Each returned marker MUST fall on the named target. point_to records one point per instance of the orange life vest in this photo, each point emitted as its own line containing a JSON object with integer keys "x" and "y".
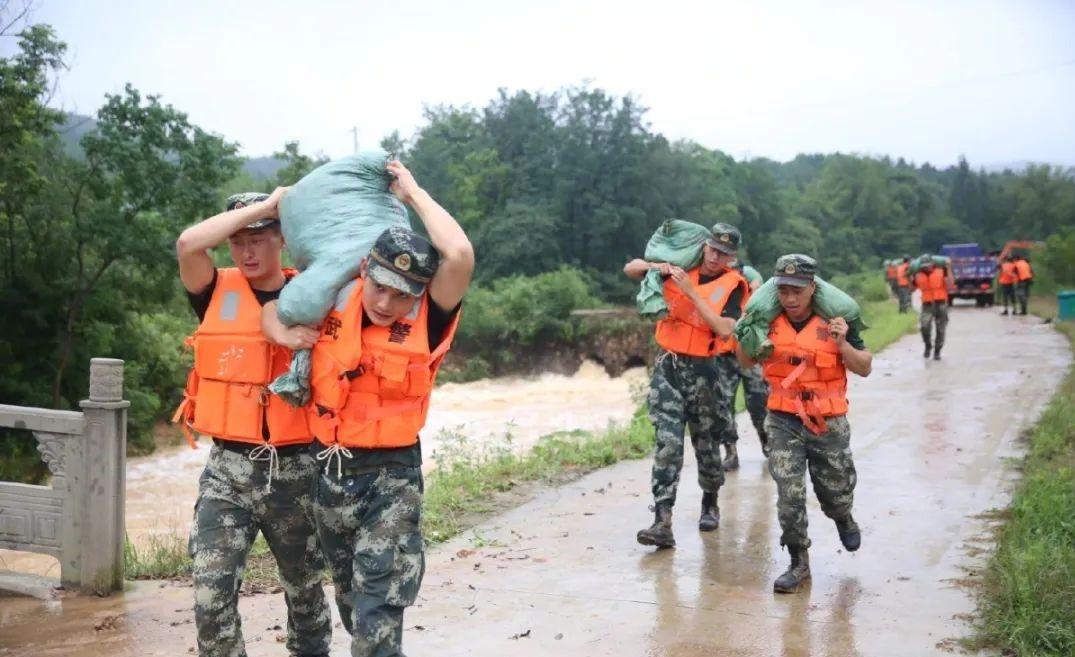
{"x": 371, "y": 385}
{"x": 934, "y": 286}
{"x": 890, "y": 273}
{"x": 901, "y": 275}
{"x": 1023, "y": 271}
{"x": 1007, "y": 274}
{"x": 805, "y": 372}
{"x": 684, "y": 331}
{"x": 227, "y": 394}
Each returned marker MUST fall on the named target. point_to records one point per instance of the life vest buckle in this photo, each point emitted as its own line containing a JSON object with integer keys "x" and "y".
{"x": 263, "y": 396}
{"x": 351, "y": 375}
{"x": 795, "y": 360}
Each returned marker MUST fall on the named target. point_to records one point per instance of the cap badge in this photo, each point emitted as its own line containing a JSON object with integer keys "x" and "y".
{"x": 790, "y": 269}
{"x": 725, "y": 237}
{"x": 403, "y": 262}
{"x": 238, "y": 204}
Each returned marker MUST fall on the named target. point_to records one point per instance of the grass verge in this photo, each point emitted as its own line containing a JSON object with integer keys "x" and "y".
{"x": 1027, "y": 603}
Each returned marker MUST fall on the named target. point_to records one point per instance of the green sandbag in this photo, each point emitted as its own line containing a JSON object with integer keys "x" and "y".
{"x": 676, "y": 242}
{"x": 752, "y": 330}
{"x": 752, "y": 274}
{"x": 330, "y": 219}
{"x": 938, "y": 260}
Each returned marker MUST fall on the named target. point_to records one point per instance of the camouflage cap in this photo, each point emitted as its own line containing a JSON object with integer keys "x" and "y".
{"x": 724, "y": 238}
{"x": 243, "y": 199}
{"x": 404, "y": 260}
{"x": 925, "y": 260}
{"x": 795, "y": 269}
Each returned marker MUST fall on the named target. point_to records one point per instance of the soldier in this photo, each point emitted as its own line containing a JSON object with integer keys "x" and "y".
{"x": 1006, "y": 279}
{"x": 903, "y": 284}
{"x": 690, "y": 381}
{"x": 807, "y": 427}
{"x": 260, "y": 470}
{"x": 372, "y": 372}
{"x": 933, "y": 282}
{"x": 890, "y": 276}
{"x": 755, "y": 389}
{"x": 1024, "y": 277}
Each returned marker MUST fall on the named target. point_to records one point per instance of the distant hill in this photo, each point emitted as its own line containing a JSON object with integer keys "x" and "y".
{"x": 75, "y": 126}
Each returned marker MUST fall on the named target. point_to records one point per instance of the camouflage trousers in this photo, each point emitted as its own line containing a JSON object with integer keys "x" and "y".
{"x": 934, "y": 313}
{"x": 685, "y": 393}
{"x": 234, "y": 504}
{"x": 1022, "y": 295}
{"x": 370, "y": 529}
{"x": 756, "y": 395}
{"x": 903, "y": 293}
{"x": 1007, "y": 296}
{"x": 794, "y": 449}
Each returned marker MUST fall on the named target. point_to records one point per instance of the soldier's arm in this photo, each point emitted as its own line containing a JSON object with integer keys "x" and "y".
{"x": 192, "y": 248}
{"x": 638, "y": 268}
{"x": 456, "y": 267}
{"x": 722, "y": 326}
{"x": 859, "y": 361}
{"x": 292, "y": 337}
{"x": 746, "y": 361}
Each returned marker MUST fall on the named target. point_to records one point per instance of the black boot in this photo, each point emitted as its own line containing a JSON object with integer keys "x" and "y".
{"x": 927, "y": 339}
{"x": 763, "y": 438}
{"x": 929, "y": 350}
{"x": 660, "y": 532}
{"x": 710, "y": 518}
{"x": 937, "y": 353}
{"x": 796, "y": 574}
{"x": 849, "y": 532}
{"x": 1005, "y": 312}
{"x": 731, "y": 457}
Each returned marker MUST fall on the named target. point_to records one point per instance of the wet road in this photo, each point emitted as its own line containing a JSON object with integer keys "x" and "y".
{"x": 562, "y": 574}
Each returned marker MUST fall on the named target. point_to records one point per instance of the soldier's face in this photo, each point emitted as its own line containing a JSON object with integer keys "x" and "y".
{"x": 256, "y": 253}
{"x": 714, "y": 261}
{"x": 385, "y": 305}
{"x": 796, "y": 300}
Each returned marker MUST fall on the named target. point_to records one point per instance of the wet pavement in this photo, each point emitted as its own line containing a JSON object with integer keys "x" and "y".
{"x": 563, "y": 575}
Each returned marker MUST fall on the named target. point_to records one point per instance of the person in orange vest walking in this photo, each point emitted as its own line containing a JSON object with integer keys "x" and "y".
{"x": 691, "y": 376}
{"x": 372, "y": 373}
{"x": 807, "y": 423}
{"x": 933, "y": 282}
{"x": 890, "y": 276}
{"x": 260, "y": 470}
{"x": 903, "y": 284}
{"x": 1024, "y": 277}
{"x": 1006, "y": 279}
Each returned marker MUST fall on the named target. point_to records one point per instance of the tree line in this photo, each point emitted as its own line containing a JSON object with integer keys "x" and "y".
{"x": 569, "y": 183}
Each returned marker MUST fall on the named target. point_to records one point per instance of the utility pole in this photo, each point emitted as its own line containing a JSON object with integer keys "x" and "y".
{"x": 354, "y": 135}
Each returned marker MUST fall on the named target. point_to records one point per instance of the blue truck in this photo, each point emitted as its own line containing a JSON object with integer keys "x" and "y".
{"x": 974, "y": 272}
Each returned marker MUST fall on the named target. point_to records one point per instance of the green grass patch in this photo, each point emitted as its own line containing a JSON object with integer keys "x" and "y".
{"x": 1027, "y": 602}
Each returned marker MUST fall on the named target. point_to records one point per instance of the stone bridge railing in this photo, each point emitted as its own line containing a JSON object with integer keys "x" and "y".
{"x": 79, "y": 519}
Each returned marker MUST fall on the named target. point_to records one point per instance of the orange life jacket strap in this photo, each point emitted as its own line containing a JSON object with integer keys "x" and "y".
{"x": 180, "y": 416}
{"x": 408, "y": 405}
{"x": 807, "y": 409}
{"x": 795, "y": 374}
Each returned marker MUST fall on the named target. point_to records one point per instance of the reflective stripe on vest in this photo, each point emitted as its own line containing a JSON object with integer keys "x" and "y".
{"x": 371, "y": 385}
{"x": 805, "y": 372}
{"x": 227, "y": 394}
{"x": 684, "y": 331}
{"x": 933, "y": 285}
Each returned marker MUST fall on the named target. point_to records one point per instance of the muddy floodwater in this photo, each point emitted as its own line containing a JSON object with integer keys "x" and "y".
{"x": 563, "y": 575}
{"x": 470, "y": 417}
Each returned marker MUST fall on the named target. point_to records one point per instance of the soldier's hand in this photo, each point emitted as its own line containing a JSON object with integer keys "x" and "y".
{"x": 838, "y": 329}
{"x": 299, "y": 337}
{"x": 271, "y": 205}
{"x": 682, "y": 280}
{"x": 664, "y": 268}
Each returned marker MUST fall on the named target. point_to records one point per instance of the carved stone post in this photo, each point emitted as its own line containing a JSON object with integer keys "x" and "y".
{"x": 104, "y": 473}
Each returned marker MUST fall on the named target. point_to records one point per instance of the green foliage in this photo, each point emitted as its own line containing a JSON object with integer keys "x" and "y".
{"x": 524, "y": 310}
{"x": 1028, "y": 602}
{"x": 1057, "y": 263}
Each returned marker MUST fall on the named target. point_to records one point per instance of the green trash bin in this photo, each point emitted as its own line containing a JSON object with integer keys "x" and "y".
{"x": 1066, "y": 301}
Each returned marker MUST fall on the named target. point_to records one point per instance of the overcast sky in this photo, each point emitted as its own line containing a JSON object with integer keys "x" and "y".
{"x": 924, "y": 80}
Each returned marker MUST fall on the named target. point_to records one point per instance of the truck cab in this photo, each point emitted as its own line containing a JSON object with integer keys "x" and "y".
{"x": 973, "y": 271}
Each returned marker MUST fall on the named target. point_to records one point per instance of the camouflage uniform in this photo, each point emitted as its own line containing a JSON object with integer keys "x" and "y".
{"x": 936, "y": 312}
{"x": 903, "y": 292}
{"x": 728, "y": 382}
{"x": 792, "y": 450}
{"x": 1022, "y": 296}
{"x": 235, "y": 501}
{"x": 756, "y": 395}
{"x": 685, "y": 391}
{"x": 369, "y": 523}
